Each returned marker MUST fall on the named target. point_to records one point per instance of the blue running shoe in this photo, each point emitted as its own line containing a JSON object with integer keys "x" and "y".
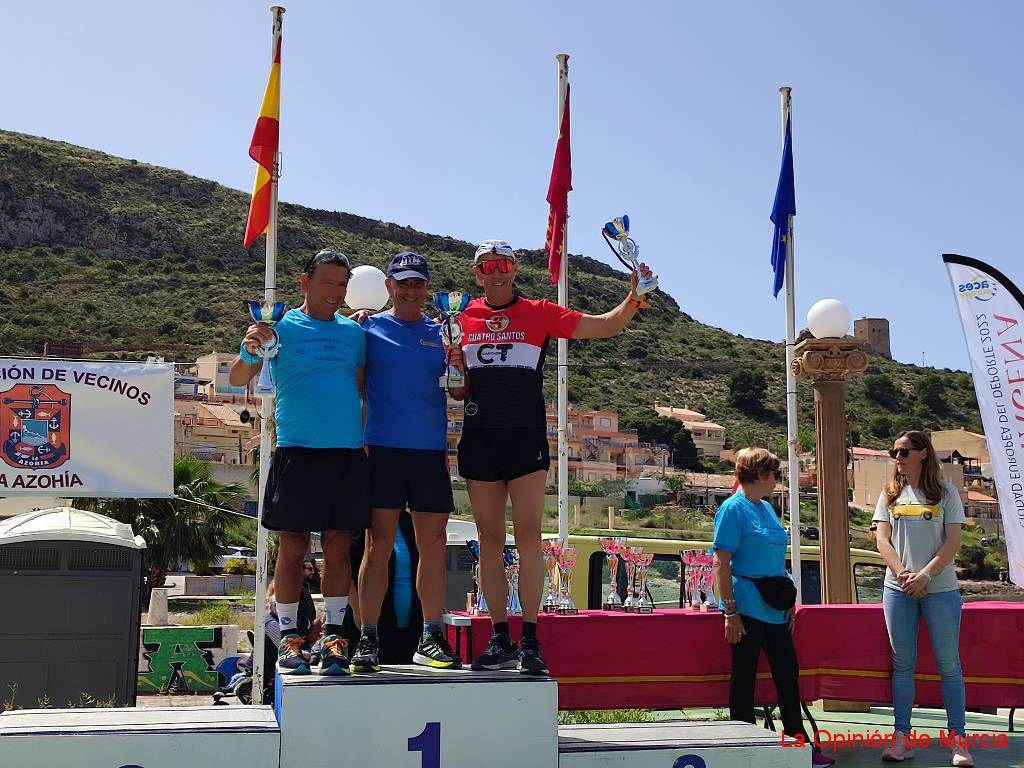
{"x": 290, "y": 660}
{"x": 334, "y": 656}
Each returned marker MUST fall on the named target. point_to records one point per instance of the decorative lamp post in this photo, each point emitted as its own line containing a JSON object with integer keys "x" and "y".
{"x": 827, "y": 359}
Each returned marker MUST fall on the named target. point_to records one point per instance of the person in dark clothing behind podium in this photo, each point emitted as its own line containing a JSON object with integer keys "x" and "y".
{"x": 401, "y": 616}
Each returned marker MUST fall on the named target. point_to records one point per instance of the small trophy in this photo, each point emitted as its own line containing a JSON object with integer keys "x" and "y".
{"x": 627, "y": 251}
{"x": 479, "y": 608}
{"x": 450, "y": 306}
{"x": 612, "y": 545}
{"x": 268, "y": 314}
{"x": 629, "y": 556}
{"x": 551, "y": 548}
{"x": 512, "y": 604}
{"x": 566, "y": 564}
{"x": 710, "y": 601}
{"x": 643, "y": 563}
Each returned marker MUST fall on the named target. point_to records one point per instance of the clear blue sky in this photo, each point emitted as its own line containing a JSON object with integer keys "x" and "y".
{"x": 441, "y": 115}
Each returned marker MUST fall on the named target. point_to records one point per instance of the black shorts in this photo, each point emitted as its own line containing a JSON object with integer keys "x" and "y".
{"x": 317, "y": 489}
{"x": 419, "y": 478}
{"x": 492, "y": 455}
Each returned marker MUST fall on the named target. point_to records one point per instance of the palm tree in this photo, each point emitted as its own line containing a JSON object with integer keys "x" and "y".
{"x": 177, "y": 529}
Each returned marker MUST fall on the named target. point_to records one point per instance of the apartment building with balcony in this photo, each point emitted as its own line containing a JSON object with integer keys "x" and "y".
{"x": 707, "y": 436}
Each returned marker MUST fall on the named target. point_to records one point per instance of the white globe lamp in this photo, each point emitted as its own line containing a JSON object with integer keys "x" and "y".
{"x": 828, "y": 319}
{"x": 366, "y": 289}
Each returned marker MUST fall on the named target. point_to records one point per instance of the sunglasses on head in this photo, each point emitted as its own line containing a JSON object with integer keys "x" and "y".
{"x": 329, "y": 259}
{"x": 901, "y": 452}
{"x": 490, "y": 266}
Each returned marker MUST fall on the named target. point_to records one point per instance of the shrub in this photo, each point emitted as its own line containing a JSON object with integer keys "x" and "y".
{"x": 239, "y": 565}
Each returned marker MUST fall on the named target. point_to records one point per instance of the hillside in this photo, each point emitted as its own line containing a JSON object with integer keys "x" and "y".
{"x": 131, "y": 259}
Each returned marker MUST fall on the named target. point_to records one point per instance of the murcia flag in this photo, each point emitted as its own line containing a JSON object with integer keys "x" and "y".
{"x": 558, "y": 195}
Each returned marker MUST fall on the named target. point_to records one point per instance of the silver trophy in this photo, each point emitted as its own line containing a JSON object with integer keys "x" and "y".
{"x": 268, "y": 314}
{"x": 643, "y": 563}
{"x": 627, "y": 251}
{"x": 512, "y": 604}
{"x": 612, "y": 545}
{"x": 450, "y": 306}
{"x": 479, "y": 607}
{"x": 566, "y": 564}
{"x": 551, "y": 548}
{"x": 710, "y": 601}
{"x": 629, "y": 556}
{"x": 692, "y": 576}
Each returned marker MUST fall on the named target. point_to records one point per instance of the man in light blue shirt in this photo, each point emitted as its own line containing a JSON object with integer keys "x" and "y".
{"x": 318, "y": 477}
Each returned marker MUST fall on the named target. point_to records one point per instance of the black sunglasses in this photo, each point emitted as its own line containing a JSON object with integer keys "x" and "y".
{"x": 902, "y": 452}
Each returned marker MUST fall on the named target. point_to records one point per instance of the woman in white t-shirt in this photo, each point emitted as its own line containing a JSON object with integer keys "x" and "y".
{"x": 919, "y": 518}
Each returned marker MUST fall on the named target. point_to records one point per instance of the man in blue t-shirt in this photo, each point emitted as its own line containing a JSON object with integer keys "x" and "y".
{"x": 318, "y": 477}
{"x": 407, "y": 444}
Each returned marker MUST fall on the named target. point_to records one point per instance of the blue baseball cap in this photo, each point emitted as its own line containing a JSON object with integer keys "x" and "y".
{"x": 408, "y": 265}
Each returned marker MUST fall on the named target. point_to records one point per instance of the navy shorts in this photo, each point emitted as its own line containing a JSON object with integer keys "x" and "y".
{"x": 493, "y": 455}
{"x": 317, "y": 489}
{"x": 419, "y": 478}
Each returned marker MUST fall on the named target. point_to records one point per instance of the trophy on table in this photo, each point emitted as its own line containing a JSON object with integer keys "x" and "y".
{"x": 643, "y": 563}
{"x": 479, "y": 607}
{"x": 450, "y": 305}
{"x": 551, "y": 548}
{"x": 629, "y": 556}
{"x": 512, "y": 604}
{"x": 627, "y": 251}
{"x": 710, "y": 601}
{"x": 268, "y": 314}
{"x": 566, "y": 564}
{"x": 612, "y": 545}
{"x": 691, "y": 574}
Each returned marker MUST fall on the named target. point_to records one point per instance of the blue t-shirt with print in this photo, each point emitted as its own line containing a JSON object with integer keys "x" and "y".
{"x": 755, "y": 537}
{"x": 405, "y": 405}
{"x": 318, "y": 403}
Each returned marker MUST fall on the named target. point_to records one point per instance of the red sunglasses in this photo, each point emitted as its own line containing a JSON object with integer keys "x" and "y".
{"x": 491, "y": 266}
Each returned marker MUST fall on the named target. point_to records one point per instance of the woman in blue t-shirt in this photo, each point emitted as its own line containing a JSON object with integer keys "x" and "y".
{"x": 756, "y": 594}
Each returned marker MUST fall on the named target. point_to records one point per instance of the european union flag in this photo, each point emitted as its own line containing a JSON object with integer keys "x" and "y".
{"x": 785, "y": 206}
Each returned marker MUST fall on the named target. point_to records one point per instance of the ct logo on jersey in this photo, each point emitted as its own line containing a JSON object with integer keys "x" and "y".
{"x": 35, "y": 426}
{"x": 497, "y": 323}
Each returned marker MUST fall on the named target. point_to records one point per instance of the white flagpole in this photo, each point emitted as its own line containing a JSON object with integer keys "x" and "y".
{"x": 563, "y": 344}
{"x": 793, "y": 439}
{"x": 266, "y": 414}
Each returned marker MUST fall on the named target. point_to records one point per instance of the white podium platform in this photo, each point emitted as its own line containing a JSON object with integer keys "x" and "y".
{"x": 676, "y": 744}
{"x": 415, "y": 717}
{"x": 168, "y": 737}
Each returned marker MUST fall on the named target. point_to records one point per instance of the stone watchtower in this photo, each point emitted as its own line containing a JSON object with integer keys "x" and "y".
{"x": 874, "y": 332}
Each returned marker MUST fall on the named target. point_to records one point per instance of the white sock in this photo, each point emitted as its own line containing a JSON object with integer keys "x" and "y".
{"x": 335, "y": 608}
{"x": 288, "y": 616}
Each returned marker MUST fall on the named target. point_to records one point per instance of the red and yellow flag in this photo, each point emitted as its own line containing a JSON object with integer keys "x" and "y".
{"x": 263, "y": 149}
{"x": 558, "y": 195}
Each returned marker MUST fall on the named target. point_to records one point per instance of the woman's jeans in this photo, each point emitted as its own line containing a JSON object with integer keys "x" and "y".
{"x": 777, "y": 643}
{"x": 941, "y": 612}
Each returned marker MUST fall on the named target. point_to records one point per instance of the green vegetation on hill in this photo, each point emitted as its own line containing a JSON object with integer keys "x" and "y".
{"x": 130, "y": 259}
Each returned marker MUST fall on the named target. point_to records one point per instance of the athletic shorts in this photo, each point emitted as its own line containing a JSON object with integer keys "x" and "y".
{"x": 317, "y": 489}
{"x": 419, "y": 478}
{"x": 492, "y": 455}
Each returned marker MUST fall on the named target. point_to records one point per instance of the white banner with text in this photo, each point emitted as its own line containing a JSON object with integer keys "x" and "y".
{"x": 992, "y": 312}
{"x": 86, "y": 429}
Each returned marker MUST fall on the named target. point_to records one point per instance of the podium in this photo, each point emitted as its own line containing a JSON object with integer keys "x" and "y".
{"x": 164, "y": 737}
{"x": 417, "y": 717}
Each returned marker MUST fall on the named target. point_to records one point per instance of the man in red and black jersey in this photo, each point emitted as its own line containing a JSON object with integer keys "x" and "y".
{"x": 503, "y": 452}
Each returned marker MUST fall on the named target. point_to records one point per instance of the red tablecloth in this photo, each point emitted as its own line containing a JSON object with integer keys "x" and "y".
{"x": 679, "y": 658}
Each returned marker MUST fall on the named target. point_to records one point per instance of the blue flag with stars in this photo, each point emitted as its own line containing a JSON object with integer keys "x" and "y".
{"x": 785, "y": 206}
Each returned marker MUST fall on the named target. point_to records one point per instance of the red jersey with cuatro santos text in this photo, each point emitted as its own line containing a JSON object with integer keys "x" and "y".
{"x": 504, "y": 347}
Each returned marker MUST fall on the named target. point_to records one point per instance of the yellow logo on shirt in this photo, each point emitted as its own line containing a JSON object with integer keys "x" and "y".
{"x": 927, "y": 511}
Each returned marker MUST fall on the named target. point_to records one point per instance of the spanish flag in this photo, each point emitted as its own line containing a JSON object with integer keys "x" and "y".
{"x": 263, "y": 149}
{"x": 558, "y": 195}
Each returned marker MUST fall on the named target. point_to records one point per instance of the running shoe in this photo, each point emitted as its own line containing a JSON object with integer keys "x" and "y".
{"x": 290, "y": 660}
{"x": 434, "y": 651}
{"x": 501, "y": 653}
{"x": 531, "y": 661}
{"x": 960, "y": 757}
{"x": 333, "y": 656}
{"x": 367, "y": 655}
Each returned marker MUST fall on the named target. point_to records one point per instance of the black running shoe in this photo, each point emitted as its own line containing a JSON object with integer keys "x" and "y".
{"x": 367, "y": 655}
{"x": 290, "y": 659}
{"x": 531, "y": 662}
{"x": 500, "y": 654}
{"x": 434, "y": 651}
{"x": 333, "y": 656}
